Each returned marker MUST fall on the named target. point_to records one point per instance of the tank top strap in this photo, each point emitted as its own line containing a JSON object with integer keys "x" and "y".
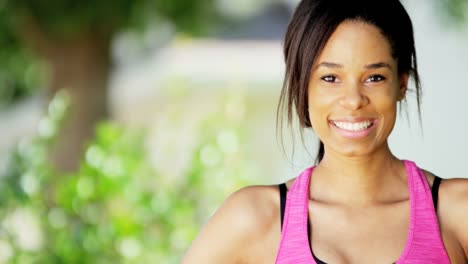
{"x": 297, "y": 200}
{"x": 424, "y": 237}
{"x": 296, "y": 222}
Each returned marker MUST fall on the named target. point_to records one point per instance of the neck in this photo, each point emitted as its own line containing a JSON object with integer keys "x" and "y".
{"x": 360, "y": 180}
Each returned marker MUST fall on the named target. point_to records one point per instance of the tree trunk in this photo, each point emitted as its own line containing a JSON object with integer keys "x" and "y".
{"x": 80, "y": 64}
{"x": 82, "y": 68}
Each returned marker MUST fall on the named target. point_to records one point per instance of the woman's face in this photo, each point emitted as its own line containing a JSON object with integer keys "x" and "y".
{"x": 354, "y": 89}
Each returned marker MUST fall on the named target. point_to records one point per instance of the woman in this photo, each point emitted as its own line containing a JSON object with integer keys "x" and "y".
{"x": 348, "y": 64}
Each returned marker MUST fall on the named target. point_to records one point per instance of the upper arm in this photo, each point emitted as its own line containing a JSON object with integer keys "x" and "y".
{"x": 455, "y": 194}
{"x": 224, "y": 239}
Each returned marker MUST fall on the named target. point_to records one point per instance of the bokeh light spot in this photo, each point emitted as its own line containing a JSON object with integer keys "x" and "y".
{"x": 57, "y": 218}
{"x": 227, "y": 141}
{"x": 129, "y": 247}
{"x": 210, "y": 156}
{"x": 85, "y": 188}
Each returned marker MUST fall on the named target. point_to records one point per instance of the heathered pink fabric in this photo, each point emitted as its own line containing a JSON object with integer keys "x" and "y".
{"x": 424, "y": 244}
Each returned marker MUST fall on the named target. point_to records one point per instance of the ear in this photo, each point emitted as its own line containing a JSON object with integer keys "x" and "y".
{"x": 403, "y": 85}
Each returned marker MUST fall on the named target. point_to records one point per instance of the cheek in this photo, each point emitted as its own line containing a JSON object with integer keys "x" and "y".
{"x": 386, "y": 103}
{"x": 320, "y": 98}
{"x": 320, "y": 107}
{"x": 386, "y": 107}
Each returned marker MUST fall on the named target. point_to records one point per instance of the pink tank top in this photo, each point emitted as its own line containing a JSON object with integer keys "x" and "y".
{"x": 424, "y": 243}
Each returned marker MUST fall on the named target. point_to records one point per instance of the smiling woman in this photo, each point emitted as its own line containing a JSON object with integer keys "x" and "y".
{"x": 348, "y": 66}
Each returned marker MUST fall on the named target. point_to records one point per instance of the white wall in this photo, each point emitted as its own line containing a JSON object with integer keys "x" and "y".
{"x": 441, "y": 146}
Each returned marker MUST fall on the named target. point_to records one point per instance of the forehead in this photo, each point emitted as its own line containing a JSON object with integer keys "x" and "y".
{"x": 356, "y": 43}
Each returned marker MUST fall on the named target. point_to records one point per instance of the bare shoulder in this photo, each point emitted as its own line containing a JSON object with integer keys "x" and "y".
{"x": 246, "y": 216}
{"x": 453, "y": 198}
{"x": 453, "y": 201}
{"x": 453, "y": 209}
{"x": 254, "y": 207}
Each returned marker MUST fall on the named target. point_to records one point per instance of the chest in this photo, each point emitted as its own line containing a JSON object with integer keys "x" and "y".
{"x": 359, "y": 235}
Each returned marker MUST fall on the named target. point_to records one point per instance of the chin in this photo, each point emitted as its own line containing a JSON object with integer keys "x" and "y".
{"x": 354, "y": 150}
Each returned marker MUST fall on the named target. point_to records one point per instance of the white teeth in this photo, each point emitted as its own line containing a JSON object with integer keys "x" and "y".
{"x": 353, "y": 126}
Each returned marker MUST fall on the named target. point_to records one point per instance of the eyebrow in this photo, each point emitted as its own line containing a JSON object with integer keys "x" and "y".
{"x": 378, "y": 65}
{"x": 329, "y": 65}
{"x": 368, "y": 66}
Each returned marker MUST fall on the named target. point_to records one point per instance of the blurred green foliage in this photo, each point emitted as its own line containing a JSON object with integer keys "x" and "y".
{"x": 67, "y": 17}
{"x": 18, "y": 73}
{"x": 117, "y": 208}
{"x": 455, "y": 11}
{"x": 27, "y": 24}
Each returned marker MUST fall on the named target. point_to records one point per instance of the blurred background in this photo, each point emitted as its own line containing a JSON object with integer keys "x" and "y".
{"x": 124, "y": 124}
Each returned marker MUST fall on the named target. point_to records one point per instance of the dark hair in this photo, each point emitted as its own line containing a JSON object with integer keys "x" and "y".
{"x": 312, "y": 24}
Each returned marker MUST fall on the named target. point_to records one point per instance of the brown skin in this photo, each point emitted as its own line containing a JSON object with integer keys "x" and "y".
{"x": 366, "y": 208}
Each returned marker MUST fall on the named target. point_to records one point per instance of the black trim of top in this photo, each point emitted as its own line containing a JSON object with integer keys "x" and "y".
{"x": 283, "y": 192}
{"x": 435, "y": 191}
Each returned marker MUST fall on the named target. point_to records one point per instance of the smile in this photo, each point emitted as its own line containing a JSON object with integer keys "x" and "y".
{"x": 353, "y": 126}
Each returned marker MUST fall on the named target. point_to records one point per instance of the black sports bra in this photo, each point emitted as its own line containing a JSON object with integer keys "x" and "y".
{"x": 283, "y": 192}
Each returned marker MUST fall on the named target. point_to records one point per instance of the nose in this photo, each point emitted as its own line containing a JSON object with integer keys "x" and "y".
{"x": 353, "y": 98}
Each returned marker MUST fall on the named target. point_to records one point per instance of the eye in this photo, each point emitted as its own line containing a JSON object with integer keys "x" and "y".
{"x": 375, "y": 78}
{"x": 330, "y": 78}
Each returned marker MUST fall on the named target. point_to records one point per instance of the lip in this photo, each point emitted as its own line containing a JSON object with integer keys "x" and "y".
{"x": 353, "y": 119}
{"x": 354, "y": 134}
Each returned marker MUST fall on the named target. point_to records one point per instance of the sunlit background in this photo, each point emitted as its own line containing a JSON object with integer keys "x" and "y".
{"x": 125, "y": 124}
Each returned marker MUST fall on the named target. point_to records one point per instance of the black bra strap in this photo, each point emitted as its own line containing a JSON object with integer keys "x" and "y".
{"x": 435, "y": 191}
{"x": 283, "y": 190}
